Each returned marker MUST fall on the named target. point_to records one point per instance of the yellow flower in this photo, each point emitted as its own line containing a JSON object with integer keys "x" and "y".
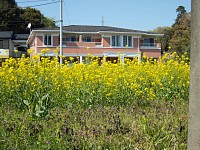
{"x": 71, "y": 58}
{"x": 6, "y": 50}
{"x": 44, "y": 51}
{"x": 30, "y": 51}
{"x": 55, "y": 51}
{"x": 16, "y": 51}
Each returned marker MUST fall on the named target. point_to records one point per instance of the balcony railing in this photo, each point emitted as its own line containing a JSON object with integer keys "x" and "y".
{"x": 86, "y": 44}
{"x": 150, "y": 45}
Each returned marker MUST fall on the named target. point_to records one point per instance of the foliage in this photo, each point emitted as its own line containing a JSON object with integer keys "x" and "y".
{"x": 180, "y": 41}
{"x": 177, "y": 37}
{"x": 41, "y": 84}
{"x": 167, "y": 31}
{"x": 9, "y": 12}
{"x": 14, "y": 18}
{"x": 45, "y": 105}
{"x": 180, "y": 13}
{"x": 36, "y": 19}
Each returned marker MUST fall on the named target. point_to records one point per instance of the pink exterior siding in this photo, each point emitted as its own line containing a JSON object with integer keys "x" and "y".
{"x": 135, "y": 41}
{"x": 39, "y": 40}
{"x": 55, "y": 40}
{"x": 106, "y": 41}
{"x": 80, "y": 38}
{"x": 151, "y": 53}
{"x": 79, "y": 44}
{"x": 99, "y": 48}
{"x": 93, "y": 51}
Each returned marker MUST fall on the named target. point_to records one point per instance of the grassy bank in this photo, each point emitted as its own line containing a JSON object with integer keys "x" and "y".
{"x": 161, "y": 125}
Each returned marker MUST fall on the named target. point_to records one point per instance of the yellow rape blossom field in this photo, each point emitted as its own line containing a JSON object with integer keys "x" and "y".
{"x": 90, "y": 106}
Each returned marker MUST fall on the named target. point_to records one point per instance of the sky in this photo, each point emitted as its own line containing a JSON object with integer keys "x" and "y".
{"x": 131, "y": 14}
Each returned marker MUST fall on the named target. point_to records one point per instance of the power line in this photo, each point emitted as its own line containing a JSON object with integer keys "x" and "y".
{"x": 41, "y": 4}
{"x": 31, "y": 1}
{"x": 32, "y": 5}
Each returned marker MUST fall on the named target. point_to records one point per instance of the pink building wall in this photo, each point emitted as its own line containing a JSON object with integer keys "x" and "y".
{"x": 55, "y": 41}
{"x": 80, "y": 48}
{"x": 39, "y": 40}
{"x": 92, "y": 51}
{"x": 135, "y": 42}
{"x": 106, "y": 41}
{"x": 151, "y": 53}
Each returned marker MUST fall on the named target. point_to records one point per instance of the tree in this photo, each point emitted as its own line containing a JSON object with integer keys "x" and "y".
{"x": 167, "y": 31}
{"x": 37, "y": 20}
{"x": 180, "y": 13}
{"x": 48, "y": 22}
{"x": 180, "y": 41}
{"x": 16, "y": 19}
{"x": 10, "y": 14}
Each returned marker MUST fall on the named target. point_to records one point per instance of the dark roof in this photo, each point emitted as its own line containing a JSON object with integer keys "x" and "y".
{"x": 6, "y": 34}
{"x": 79, "y": 28}
{"x": 10, "y": 35}
{"x": 20, "y": 36}
{"x": 88, "y": 28}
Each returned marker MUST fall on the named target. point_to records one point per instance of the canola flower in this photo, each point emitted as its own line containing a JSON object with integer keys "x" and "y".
{"x": 6, "y": 50}
{"x": 44, "y": 83}
{"x": 16, "y": 51}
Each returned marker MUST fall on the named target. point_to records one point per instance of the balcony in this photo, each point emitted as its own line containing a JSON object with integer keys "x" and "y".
{"x": 82, "y": 44}
{"x": 150, "y": 45}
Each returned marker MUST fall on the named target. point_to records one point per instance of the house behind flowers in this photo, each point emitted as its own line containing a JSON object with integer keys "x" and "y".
{"x": 100, "y": 41}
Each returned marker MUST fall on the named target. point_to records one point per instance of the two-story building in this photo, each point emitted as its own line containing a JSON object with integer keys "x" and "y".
{"x": 10, "y": 42}
{"x": 81, "y": 40}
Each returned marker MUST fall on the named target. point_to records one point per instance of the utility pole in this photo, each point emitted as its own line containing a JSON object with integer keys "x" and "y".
{"x": 194, "y": 98}
{"x": 61, "y": 25}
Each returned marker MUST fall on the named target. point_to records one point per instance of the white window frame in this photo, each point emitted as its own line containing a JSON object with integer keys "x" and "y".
{"x": 132, "y": 42}
{"x": 71, "y": 38}
{"x": 121, "y": 41}
{"x": 117, "y": 41}
{"x": 148, "y": 43}
{"x": 47, "y": 44}
{"x": 85, "y": 38}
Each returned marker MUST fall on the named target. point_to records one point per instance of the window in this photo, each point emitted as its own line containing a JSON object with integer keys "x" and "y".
{"x": 1, "y": 44}
{"x": 71, "y": 39}
{"x": 47, "y": 39}
{"x": 113, "y": 41}
{"x": 149, "y": 42}
{"x": 122, "y": 41}
{"x": 146, "y": 41}
{"x": 87, "y": 39}
{"x": 130, "y": 41}
{"x": 4, "y": 44}
{"x": 68, "y": 38}
{"x": 127, "y": 40}
{"x": 116, "y": 40}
